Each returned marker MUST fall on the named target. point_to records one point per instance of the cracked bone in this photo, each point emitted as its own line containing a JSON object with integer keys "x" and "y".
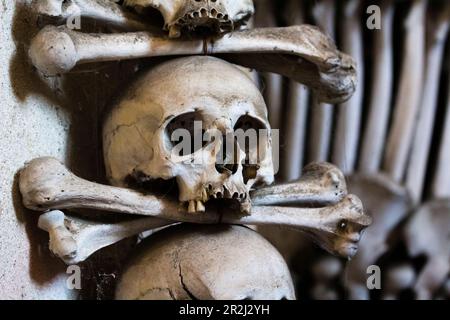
{"x": 46, "y": 184}
{"x": 321, "y": 184}
{"x": 100, "y": 10}
{"x": 302, "y": 53}
{"x": 199, "y": 262}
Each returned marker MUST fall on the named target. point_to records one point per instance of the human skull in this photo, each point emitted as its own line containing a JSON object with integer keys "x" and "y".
{"x": 174, "y": 96}
{"x": 216, "y": 16}
{"x": 217, "y": 262}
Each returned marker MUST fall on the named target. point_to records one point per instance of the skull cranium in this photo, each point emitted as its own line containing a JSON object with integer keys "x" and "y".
{"x": 214, "y": 15}
{"x": 206, "y": 262}
{"x": 138, "y": 133}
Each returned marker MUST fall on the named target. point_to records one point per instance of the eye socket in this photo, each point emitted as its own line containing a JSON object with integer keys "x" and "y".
{"x": 251, "y": 134}
{"x": 342, "y": 225}
{"x": 185, "y": 132}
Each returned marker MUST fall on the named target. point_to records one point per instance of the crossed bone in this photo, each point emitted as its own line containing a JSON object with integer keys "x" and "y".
{"x": 324, "y": 210}
{"x": 302, "y": 53}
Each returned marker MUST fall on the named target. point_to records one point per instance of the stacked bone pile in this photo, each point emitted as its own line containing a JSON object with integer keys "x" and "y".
{"x": 199, "y": 246}
{"x": 391, "y": 140}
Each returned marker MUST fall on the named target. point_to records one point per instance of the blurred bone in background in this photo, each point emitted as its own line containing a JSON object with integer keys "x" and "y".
{"x": 391, "y": 139}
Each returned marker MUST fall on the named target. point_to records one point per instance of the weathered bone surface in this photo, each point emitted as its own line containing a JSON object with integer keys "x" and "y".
{"x": 46, "y": 184}
{"x": 336, "y": 229}
{"x": 206, "y": 262}
{"x": 302, "y": 53}
{"x": 218, "y": 16}
{"x": 321, "y": 184}
{"x": 428, "y": 233}
{"x": 142, "y": 131}
{"x": 62, "y": 242}
{"x": 74, "y": 239}
{"x": 101, "y": 10}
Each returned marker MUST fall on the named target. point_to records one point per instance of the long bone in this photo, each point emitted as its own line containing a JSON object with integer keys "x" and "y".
{"x": 336, "y": 228}
{"x": 409, "y": 93}
{"x": 100, "y": 10}
{"x": 345, "y": 144}
{"x": 302, "y": 53}
{"x": 272, "y": 82}
{"x": 73, "y": 239}
{"x": 45, "y": 183}
{"x": 384, "y": 195}
{"x": 321, "y": 184}
{"x": 381, "y": 92}
{"x": 423, "y": 134}
{"x": 322, "y": 113}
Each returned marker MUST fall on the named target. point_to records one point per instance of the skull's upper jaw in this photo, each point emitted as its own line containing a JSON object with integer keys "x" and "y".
{"x": 203, "y": 17}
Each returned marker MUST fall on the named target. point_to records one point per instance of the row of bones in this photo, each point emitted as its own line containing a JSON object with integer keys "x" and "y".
{"x": 384, "y": 195}
{"x": 307, "y": 56}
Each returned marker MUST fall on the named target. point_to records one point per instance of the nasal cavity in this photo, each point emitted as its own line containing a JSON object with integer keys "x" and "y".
{"x": 227, "y": 157}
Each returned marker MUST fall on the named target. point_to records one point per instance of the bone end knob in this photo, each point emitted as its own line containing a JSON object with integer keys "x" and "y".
{"x": 61, "y": 242}
{"x": 37, "y": 187}
{"x": 53, "y": 52}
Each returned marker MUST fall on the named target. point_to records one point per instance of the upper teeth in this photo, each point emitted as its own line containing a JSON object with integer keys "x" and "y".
{"x": 198, "y": 205}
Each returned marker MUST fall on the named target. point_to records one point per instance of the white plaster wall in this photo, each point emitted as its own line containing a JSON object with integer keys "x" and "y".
{"x": 31, "y": 125}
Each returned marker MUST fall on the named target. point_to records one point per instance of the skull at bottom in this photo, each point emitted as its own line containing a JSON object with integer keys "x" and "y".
{"x": 220, "y": 262}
